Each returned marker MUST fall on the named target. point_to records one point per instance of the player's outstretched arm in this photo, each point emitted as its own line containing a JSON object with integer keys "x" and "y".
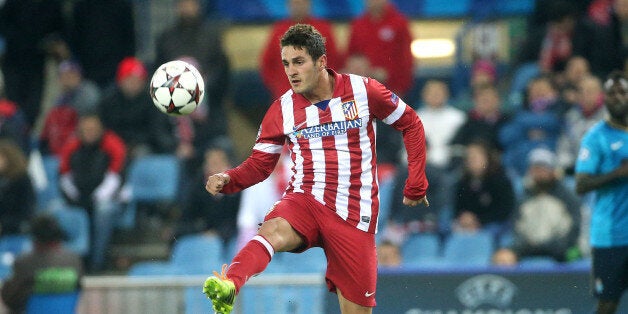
{"x": 409, "y": 202}
{"x": 216, "y": 182}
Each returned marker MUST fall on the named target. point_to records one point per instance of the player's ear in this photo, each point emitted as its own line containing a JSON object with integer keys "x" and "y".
{"x": 322, "y": 62}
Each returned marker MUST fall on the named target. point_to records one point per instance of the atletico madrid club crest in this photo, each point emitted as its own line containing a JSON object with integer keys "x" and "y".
{"x": 350, "y": 110}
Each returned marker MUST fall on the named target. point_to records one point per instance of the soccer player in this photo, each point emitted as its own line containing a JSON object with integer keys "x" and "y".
{"x": 327, "y": 120}
{"x": 602, "y": 166}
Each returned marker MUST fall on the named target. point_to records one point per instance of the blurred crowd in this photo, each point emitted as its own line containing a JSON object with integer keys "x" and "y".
{"x": 501, "y": 149}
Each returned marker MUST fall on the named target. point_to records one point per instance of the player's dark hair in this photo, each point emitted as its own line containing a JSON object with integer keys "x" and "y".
{"x": 305, "y": 36}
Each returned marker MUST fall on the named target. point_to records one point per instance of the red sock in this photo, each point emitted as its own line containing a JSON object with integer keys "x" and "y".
{"x": 250, "y": 261}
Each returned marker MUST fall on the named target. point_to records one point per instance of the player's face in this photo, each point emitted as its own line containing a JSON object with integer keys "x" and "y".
{"x": 617, "y": 100}
{"x": 302, "y": 71}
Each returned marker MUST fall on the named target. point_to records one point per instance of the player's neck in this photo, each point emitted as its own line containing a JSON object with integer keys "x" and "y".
{"x": 324, "y": 89}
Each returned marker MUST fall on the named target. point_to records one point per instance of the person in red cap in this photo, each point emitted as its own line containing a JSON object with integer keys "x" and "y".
{"x": 127, "y": 109}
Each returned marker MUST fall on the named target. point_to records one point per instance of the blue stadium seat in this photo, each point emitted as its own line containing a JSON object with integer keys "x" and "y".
{"x": 308, "y": 262}
{"x": 536, "y": 262}
{"x": 281, "y": 300}
{"x": 468, "y": 249}
{"x": 12, "y": 246}
{"x": 196, "y": 301}
{"x": 197, "y": 254}
{"x": 75, "y": 223}
{"x": 51, "y": 191}
{"x": 63, "y": 303}
{"x": 153, "y": 179}
{"x": 153, "y": 268}
{"x": 5, "y": 268}
{"x": 420, "y": 249}
{"x": 15, "y": 244}
{"x": 437, "y": 8}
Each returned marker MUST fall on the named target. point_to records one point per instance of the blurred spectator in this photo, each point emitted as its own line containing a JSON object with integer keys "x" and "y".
{"x": 382, "y": 34}
{"x": 388, "y": 255}
{"x": 91, "y": 172}
{"x": 608, "y": 40}
{"x": 17, "y": 196}
{"x": 359, "y": 64}
{"x": 588, "y": 110}
{"x": 538, "y": 123}
{"x": 300, "y": 11}
{"x": 196, "y": 40}
{"x": 13, "y": 124}
{"x": 30, "y": 28}
{"x": 484, "y": 72}
{"x": 403, "y": 221}
{"x": 102, "y": 34}
{"x": 435, "y": 112}
{"x": 390, "y": 141}
{"x": 485, "y": 199}
{"x": 206, "y": 213}
{"x": 568, "y": 80}
{"x": 49, "y": 268}
{"x": 127, "y": 110}
{"x": 199, "y": 42}
{"x": 547, "y": 222}
{"x": 541, "y": 13}
{"x": 80, "y": 93}
{"x": 78, "y": 96}
{"x": 551, "y": 44}
{"x": 259, "y": 199}
{"x": 483, "y": 121}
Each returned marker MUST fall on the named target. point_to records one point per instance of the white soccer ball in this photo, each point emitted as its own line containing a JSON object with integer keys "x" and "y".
{"x": 177, "y": 88}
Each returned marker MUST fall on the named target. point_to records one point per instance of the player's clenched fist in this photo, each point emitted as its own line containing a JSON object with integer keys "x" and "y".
{"x": 216, "y": 182}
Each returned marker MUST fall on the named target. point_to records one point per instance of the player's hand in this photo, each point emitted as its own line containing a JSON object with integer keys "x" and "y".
{"x": 409, "y": 202}
{"x": 216, "y": 182}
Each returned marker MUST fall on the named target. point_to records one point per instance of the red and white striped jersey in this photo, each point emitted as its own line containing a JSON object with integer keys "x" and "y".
{"x": 333, "y": 147}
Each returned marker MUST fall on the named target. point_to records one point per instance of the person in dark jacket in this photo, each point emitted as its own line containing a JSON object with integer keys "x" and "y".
{"x": 127, "y": 109}
{"x": 17, "y": 196}
{"x": 91, "y": 171}
{"x": 31, "y": 28}
{"x": 206, "y": 213}
{"x": 48, "y": 268}
{"x": 102, "y": 34}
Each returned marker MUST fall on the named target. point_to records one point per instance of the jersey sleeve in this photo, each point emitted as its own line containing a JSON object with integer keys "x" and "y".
{"x": 265, "y": 155}
{"x": 392, "y": 110}
{"x": 589, "y": 155}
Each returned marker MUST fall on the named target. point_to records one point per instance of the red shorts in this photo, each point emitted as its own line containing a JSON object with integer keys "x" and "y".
{"x": 351, "y": 253}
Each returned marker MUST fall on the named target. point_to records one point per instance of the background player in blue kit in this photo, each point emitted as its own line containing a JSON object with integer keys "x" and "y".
{"x": 602, "y": 166}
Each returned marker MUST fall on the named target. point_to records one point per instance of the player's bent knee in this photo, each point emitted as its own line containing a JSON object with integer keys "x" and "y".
{"x": 280, "y": 234}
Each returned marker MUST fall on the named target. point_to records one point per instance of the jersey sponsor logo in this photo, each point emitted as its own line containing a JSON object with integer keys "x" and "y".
{"x": 583, "y": 154}
{"x": 350, "y": 109}
{"x": 328, "y": 129}
{"x": 617, "y": 145}
{"x": 366, "y": 219}
{"x": 369, "y": 294}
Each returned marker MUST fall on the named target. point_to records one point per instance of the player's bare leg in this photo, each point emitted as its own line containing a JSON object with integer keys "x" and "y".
{"x": 348, "y": 307}
{"x": 275, "y": 235}
{"x": 280, "y": 234}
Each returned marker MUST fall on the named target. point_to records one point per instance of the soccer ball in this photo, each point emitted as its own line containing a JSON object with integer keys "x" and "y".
{"x": 177, "y": 88}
